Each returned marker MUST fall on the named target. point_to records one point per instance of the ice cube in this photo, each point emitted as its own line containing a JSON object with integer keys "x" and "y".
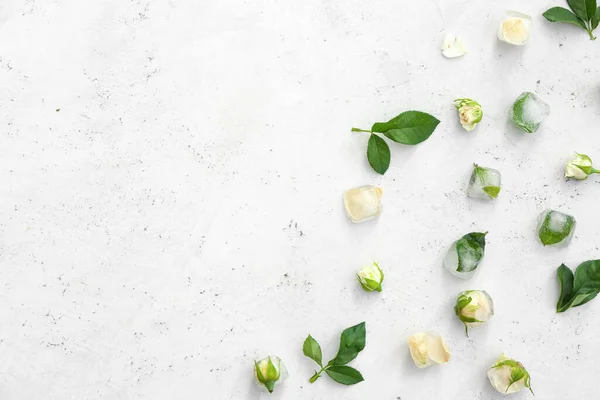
{"x": 465, "y": 254}
{"x": 529, "y": 111}
{"x": 556, "y": 228}
{"x": 363, "y": 203}
{"x": 451, "y": 263}
{"x": 485, "y": 183}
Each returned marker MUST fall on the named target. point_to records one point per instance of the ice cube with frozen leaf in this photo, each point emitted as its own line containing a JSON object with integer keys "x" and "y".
{"x": 556, "y": 228}
{"x": 529, "y": 111}
{"x": 465, "y": 254}
{"x": 485, "y": 183}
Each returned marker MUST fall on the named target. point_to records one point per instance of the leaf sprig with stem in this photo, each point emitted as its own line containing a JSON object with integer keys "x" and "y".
{"x": 352, "y": 342}
{"x": 585, "y": 14}
{"x": 410, "y": 127}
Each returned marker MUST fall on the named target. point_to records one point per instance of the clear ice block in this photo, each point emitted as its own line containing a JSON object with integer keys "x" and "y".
{"x": 556, "y": 228}
{"x": 529, "y": 111}
{"x": 465, "y": 254}
{"x": 485, "y": 183}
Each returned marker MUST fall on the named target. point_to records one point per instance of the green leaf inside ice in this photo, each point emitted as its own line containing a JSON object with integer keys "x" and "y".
{"x": 560, "y": 14}
{"x": 553, "y": 232}
{"x": 352, "y": 341}
{"x": 344, "y": 374}
{"x": 410, "y": 127}
{"x": 580, "y": 289}
{"x": 312, "y": 350}
{"x": 470, "y": 249}
{"x": 492, "y": 191}
{"x": 378, "y": 154}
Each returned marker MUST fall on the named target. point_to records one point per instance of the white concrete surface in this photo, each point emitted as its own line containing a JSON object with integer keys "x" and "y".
{"x": 181, "y": 215}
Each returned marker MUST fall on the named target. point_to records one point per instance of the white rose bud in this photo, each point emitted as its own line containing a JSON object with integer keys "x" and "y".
{"x": 427, "y": 349}
{"x": 371, "y": 277}
{"x": 515, "y": 28}
{"x": 580, "y": 168}
{"x": 474, "y": 307}
{"x": 509, "y": 376}
{"x": 269, "y": 371}
{"x": 470, "y": 113}
{"x": 453, "y": 46}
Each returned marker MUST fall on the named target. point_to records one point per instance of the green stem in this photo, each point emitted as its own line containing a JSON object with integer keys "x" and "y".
{"x": 317, "y": 375}
{"x": 360, "y": 130}
{"x": 590, "y": 32}
{"x": 595, "y": 171}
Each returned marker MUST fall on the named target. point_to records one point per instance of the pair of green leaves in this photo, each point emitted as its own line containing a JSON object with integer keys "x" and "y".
{"x": 352, "y": 342}
{"x": 584, "y": 14}
{"x": 470, "y": 249}
{"x": 579, "y": 289}
{"x": 410, "y": 127}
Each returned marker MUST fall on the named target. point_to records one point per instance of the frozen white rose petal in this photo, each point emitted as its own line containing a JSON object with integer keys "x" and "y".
{"x": 363, "y": 203}
{"x": 515, "y": 28}
{"x": 453, "y": 46}
{"x": 427, "y": 349}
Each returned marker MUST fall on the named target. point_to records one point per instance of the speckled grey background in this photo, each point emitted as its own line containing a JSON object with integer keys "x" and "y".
{"x": 171, "y": 177}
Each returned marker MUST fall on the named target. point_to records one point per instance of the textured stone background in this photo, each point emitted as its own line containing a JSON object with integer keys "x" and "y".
{"x": 170, "y": 201}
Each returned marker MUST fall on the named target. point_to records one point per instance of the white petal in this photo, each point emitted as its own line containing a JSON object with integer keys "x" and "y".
{"x": 453, "y": 46}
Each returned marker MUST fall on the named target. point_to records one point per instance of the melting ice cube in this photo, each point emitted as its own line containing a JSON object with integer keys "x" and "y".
{"x": 485, "y": 183}
{"x": 529, "y": 111}
{"x": 555, "y": 227}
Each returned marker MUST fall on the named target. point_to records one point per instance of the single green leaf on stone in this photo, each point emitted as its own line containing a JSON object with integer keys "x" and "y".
{"x": 410, "y": 127}
{"x": 492, "y": 191}
{"x": 565, "y": 280}
{"x": 470, "y": 249}
{"x": 312, "y": 350}
{"x": 378, "y": 154}
{"x": 579, "y": 290}
{"x": 352, "y": 341}
{"x": 344, "y": 374}
{"x": 560, "y": 14}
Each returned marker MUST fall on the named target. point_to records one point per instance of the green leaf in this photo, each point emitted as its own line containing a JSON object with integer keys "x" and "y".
{"x": 590, "y": 8}
{"x": 344, "y": 374}
{"x": 559, "y": 14}
{"x": 565, "y": 280}
{"x": 312, "y": 350}
{"x": 378, "y": 154}
{"x": 470, "y": 249}
{"x": 586, "y": 285}
{"x": 352, "y": 341}
{"x": 549, "y": 234}
{"x": 410, "y": 127}
{"x": 579, "y": 8}
{"x": 596, "y": 19}
{"x": 492, "y": 191}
